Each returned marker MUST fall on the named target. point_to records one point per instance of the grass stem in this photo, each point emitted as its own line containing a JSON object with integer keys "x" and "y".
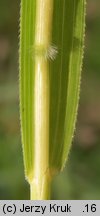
{"x": 40, "y": 183}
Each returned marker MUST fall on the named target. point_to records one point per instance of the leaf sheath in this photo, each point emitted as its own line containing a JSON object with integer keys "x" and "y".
{"x": 51, "y": 53}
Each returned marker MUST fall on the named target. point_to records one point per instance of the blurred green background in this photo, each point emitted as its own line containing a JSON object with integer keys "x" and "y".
{"x": 81, "y": 176}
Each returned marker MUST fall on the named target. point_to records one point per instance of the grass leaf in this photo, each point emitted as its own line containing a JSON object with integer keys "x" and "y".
{"x": 65, "y": 73}
{"x": 51, "y": 52}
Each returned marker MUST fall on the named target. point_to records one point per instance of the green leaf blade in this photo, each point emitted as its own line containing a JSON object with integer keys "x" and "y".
{"x": 68, "y": 36}
{"x": 27, "y": 35}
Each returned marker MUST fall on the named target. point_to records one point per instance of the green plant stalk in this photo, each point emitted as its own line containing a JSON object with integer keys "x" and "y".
{"x": 41, "y": 111}
{"x": 40, "y": 182}
{"x": 38, "y": 173}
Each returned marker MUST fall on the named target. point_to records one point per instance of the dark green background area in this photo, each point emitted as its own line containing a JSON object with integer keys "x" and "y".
{"x": 81, "y": 176}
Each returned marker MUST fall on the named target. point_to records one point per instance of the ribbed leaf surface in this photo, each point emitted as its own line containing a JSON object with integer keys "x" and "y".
{"x": 62, "y": 58}
{"x": 65, "y": 73}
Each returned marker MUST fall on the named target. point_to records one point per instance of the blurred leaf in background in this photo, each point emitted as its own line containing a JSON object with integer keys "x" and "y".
{"x": 81, "y": 177}
{"x": 12, "y": 184}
